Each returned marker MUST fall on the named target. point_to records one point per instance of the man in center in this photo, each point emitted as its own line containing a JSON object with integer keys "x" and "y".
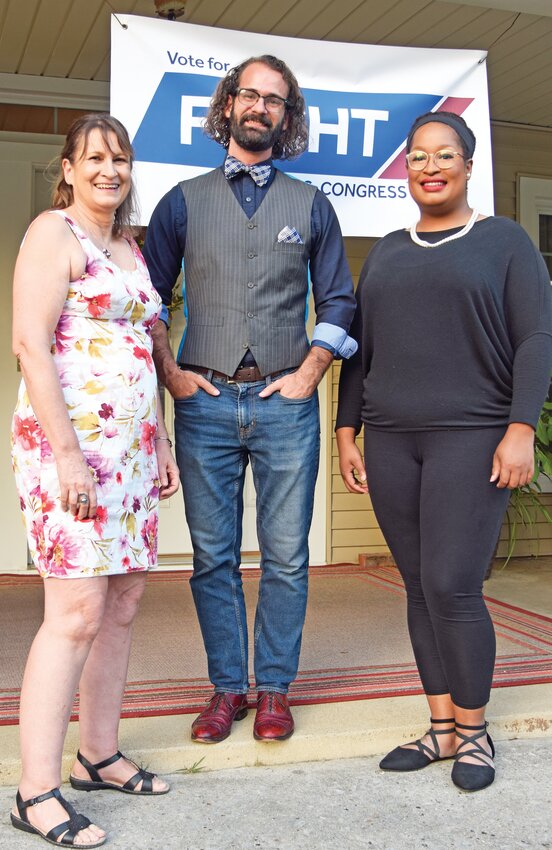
{"x": 246, "y": 378}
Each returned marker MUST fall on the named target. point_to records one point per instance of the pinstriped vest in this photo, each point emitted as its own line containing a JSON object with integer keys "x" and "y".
{"x": 244, "y": 289}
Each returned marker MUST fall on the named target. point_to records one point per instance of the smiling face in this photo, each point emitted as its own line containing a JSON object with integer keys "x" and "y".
{"x": 435, "y": 190}
{"x": 100, "y": 173}
{"x": 253, "y": 129}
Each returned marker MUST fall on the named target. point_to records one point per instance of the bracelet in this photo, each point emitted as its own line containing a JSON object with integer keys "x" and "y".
{"x": 166, "y": 440}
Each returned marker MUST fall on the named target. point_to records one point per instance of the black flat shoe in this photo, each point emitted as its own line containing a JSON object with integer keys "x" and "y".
{"x": 473, "y": 777}
{"x": 66, "y": 832}
{"x": 95, "y": 783}
{"x": 404, "y": 759}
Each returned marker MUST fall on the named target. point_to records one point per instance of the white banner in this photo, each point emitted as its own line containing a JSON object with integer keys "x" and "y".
{"x": 361, "y": 101}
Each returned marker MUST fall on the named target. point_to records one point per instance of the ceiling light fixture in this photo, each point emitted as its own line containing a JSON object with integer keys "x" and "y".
{"x": 170, "y": 9}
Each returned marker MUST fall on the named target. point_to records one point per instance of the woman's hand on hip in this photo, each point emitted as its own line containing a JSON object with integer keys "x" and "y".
{"x": 351, "y": 464}
{"x": 75, "y": 482}
{"x": 514, "y": 459}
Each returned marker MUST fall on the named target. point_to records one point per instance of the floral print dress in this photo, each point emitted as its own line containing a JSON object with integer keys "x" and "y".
{"x": 102, "y": 349}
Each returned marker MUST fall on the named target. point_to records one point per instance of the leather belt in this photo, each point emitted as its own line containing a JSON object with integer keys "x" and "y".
{"x": 247, "y": 374}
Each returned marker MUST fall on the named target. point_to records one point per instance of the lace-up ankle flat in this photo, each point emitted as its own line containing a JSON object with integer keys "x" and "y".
{"x": 404, "y": 759}
{"x": 473, "y": 777}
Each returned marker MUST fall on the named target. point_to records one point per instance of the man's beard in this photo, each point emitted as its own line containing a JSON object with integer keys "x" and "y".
{"x": 253, "y": 138}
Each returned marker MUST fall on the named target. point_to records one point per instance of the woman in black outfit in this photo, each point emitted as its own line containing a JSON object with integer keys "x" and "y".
{"x": 455, "y": 348}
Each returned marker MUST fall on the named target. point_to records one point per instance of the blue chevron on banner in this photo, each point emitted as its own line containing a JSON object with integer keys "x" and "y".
{"x": 351, "y": 134}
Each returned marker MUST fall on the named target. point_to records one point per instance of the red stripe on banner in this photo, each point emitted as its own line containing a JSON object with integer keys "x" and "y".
{"x": 396, "y": 170}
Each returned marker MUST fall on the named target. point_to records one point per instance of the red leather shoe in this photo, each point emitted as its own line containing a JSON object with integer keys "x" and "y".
{"x": 215, "y": 721}
{"x": 273, "y": 721}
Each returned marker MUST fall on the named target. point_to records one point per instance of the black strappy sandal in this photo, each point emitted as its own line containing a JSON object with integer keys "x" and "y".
{"x": 473, "y": 777}
{"x": 95, "y": 783}
{"x": 404, "y": 759}
{"x": 70, "y": 827}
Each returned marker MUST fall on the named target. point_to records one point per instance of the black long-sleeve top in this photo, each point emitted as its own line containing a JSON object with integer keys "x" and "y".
{"x": 456, "y": 336}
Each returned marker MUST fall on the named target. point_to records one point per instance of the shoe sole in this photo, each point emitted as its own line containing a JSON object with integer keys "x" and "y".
{"x": 88, "y": 785}
{"x": 414, "y": 769}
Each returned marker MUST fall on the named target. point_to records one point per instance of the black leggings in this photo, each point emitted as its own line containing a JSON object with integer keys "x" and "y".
{"x": 441, "y": 518}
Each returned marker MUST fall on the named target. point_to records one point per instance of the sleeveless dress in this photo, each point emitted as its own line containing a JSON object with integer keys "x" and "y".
{"x": 102, "y": 350}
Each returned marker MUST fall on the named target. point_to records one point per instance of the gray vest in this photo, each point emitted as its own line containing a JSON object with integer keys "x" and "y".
{"x": 244, "y": 289}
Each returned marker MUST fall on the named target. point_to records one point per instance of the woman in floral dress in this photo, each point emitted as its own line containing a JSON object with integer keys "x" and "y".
{"x": 91, "y": 459}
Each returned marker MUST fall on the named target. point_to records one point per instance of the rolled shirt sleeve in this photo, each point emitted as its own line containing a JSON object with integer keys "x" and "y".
{"x": 335, "y": 339}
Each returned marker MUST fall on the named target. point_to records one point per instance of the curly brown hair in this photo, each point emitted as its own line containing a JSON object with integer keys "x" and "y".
{"x": 293, "y": 139}
{"x": 79, "y": 131}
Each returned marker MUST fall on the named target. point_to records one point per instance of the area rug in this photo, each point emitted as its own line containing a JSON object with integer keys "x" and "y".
{"x": 355, "y": 643}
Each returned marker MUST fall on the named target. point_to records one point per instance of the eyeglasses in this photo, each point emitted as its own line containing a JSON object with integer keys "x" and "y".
{"x": 273, "y": 103}
{"x": 417, "y": 160}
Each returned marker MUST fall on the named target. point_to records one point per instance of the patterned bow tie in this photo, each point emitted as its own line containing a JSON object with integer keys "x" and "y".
{"x": 259, "y": 173}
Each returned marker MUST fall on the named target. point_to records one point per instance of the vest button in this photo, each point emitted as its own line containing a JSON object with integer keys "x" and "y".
{"x": 251, "y": 226}
{"x": 251, "y": 315}
{"x": 250, "y": 285}
{"x": 251, "y": 255}
{"x": 245, "y": 345}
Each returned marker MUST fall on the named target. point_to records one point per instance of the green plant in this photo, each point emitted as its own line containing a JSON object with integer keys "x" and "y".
{"x": 197, "y": 767}
{"x": 525, "y": 502}
{"x": 543, "y": 442}
{"x": 177, "y": 299}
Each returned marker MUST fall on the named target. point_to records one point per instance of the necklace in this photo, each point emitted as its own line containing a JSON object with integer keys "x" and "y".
{"x": 466, "y": 229}
{"x": 97, "y": 242}
{"x": 105, "y": 251}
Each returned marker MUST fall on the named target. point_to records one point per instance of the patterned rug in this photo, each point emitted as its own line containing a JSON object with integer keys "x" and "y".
{"x": 355, "y": 643}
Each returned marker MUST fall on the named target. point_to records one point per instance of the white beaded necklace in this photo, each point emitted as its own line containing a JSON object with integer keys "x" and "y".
{"x": 423, "y": 244}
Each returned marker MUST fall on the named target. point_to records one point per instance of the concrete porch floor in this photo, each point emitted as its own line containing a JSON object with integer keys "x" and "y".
{"x": 336, "y": 730}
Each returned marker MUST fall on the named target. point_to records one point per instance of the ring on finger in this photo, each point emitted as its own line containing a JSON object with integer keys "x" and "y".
{"x": 83, "y": 499}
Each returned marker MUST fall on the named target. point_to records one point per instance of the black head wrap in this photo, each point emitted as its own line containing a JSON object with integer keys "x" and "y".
{"x": 452, "y": 120}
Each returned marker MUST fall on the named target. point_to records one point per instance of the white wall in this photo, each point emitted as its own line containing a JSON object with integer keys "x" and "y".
{"x": 17, "y": 162}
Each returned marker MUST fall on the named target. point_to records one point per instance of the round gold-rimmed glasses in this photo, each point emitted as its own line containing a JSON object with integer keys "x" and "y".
{"x": 443, "y": 159}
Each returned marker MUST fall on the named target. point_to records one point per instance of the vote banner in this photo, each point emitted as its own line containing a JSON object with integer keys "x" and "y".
{"x": 361, "y": 100}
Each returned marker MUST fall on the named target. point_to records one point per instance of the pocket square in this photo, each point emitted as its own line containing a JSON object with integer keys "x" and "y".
{"x": 289, "y": 234}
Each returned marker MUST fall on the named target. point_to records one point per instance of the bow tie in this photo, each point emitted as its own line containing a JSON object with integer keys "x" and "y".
{"x": 259, "y": 173}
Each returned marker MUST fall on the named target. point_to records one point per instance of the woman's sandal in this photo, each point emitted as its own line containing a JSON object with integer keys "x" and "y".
{"x": 473, "y": 777}
{"x": 404, "y": 759}
{"x": 95, "y": 783}
{"x": 69, "y": 829}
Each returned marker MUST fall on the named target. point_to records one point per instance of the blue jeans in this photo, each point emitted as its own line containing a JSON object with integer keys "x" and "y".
{"x": 216, "y": 437}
